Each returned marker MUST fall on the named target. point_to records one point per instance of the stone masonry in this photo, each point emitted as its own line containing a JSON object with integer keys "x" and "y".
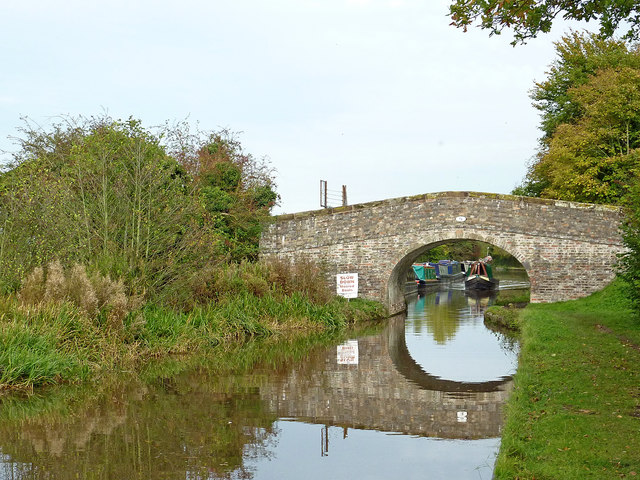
{"x": 568, "y": 249}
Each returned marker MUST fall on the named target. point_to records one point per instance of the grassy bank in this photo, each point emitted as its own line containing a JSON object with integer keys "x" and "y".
{"x": 575, "y": 410}
{"x": 231, "y": 359}
{"x": 50, "y": 334}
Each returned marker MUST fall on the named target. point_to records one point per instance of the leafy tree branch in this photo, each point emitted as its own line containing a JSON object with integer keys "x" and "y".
{"x": 528, "y": 18}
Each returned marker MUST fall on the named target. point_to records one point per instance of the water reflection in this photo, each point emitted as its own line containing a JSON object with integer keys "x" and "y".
{"x": 371, "y": 455}
{"x": 445, "y": 333}
{"x": 385, "y": 391}
{"x": 165, "y": 430}
{"x": 440, "y": 322}
{"x": 376, "y": 406}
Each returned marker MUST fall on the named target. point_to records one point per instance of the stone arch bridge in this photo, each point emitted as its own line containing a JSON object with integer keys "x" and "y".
{"x": 568, "y": 249}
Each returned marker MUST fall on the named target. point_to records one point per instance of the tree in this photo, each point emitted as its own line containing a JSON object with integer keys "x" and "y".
{"x": 629, "y": 262}
{"x": 100, "y": 192}
{"x": 596, "y": 158}
{"x": 237, "y": 190}
{"x": 589, "y": 104}
{"x": 528, "y": 18}
{"x": 579, "y": 56}
{"x": 112, "y": 195}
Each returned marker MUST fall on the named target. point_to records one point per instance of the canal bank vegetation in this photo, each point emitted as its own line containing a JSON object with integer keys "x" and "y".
{"x": 120, "y": 244}
{"x": 575, "y": 409}
{"x": 195, "y": 410}
{"x": 497, "y": 317}
{"x": 205, "y": 416}
{"x": 57, "y": 329}
{"x": 504, "y": 314}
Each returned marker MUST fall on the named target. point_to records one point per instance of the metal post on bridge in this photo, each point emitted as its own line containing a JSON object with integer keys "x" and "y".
{"x": 327, "y": 195}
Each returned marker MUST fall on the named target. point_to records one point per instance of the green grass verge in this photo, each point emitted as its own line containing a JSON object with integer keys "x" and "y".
{"x": 518, "y": 297}
{"x": 575, "y": 409}
{"x": 59, "y": 344}
{"x": 502, "y": 318}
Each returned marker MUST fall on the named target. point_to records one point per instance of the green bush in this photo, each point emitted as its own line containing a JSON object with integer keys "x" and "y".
{"x": 146, "y": 206}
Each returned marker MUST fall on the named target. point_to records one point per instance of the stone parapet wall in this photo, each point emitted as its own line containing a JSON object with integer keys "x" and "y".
{"x": 568, "y": 249}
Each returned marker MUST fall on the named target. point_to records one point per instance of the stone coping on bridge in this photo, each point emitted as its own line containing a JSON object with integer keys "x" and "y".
{"x": 448, "y": 194}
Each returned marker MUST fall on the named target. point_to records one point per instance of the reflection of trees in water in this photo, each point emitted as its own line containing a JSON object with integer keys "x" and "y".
{"x": 439, "y": 314}
{"x": 508, "y": 341}
{"x": 198, "y": 425}
{"x": 172, "y": 429}
{"x": 442, "y": 324}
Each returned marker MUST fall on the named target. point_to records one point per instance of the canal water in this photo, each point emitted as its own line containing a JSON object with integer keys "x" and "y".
{"x": 420, "y": 397}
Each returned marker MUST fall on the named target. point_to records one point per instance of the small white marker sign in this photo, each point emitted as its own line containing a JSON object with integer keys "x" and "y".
{"x": 347, "y": 285}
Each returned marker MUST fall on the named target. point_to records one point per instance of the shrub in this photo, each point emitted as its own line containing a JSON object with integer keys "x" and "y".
{"x": 276, "y": 277}
{"x": 303, "y": 276}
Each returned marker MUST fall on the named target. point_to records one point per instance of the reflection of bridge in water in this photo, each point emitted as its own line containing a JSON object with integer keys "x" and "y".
{"x": 200, "y": 421}
{"x": 386, "y": 391}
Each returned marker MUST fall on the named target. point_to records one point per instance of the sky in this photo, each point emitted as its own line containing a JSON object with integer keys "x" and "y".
{"x": 383, "y": 96}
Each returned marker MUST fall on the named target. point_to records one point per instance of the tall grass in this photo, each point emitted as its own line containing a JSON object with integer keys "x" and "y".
{"x": 97, "y": 295}
{"x": 66, "y": 325}
{"x": 276, "y": 278}
{"x": 45, "y": 346}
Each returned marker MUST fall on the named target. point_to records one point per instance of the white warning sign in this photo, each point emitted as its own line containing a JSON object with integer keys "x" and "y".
{"x": 347, "y": 285}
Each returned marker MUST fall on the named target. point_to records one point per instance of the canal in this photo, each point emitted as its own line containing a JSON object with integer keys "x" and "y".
{"x": 419, "y": 397}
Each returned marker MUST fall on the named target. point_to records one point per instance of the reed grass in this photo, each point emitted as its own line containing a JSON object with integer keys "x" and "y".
{"x": 68, "y": 326}
{"x": 34, "y": 350}
{"x": 97, "y": 295}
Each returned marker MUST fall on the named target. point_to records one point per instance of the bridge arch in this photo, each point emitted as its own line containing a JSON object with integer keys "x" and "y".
{"x": 404, "y": 259}
{"x": 552, "y": 239}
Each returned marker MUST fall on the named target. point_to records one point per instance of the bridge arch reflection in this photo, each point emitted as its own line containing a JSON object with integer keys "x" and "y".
{"x": 412, "y": 371}
{"x": 385, "y": 391}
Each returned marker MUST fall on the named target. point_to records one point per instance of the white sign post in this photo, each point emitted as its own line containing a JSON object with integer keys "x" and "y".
{"x": 347, "y": 285}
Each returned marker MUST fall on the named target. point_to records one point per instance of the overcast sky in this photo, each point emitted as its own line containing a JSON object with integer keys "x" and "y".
{"x": 382, "y": 96}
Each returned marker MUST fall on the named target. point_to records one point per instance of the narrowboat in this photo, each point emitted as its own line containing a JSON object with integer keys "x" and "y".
{"x": 480, "y": 276}
{"x": 448, "y": 271}
{"x": 425, "y": 274}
